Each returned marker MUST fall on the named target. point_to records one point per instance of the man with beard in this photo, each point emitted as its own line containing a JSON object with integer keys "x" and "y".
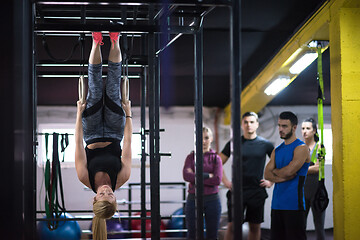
{"x": 254, "y": 150}
{"x": 288, "y": 166}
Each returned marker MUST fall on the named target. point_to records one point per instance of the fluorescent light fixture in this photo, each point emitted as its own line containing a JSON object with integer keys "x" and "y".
{"x": 277, "y": 85}
{"x": 302, "y": 63}
{"x": 313, "y": 44}
{"x": 316, "y": 43}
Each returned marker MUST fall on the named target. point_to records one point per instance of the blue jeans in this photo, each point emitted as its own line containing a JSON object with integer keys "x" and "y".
{"x": 212, "y": 211}
{"x": 103, "y": 119}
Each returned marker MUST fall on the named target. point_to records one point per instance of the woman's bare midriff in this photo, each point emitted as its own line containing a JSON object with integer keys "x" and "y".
{"x": 98, "y": 145}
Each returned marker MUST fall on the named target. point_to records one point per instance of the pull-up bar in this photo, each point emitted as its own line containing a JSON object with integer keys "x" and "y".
{"x": 218, "y": 3}
{"x": 57, "y": 27}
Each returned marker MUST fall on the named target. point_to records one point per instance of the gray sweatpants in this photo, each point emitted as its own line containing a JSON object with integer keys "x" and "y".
{"x": 103, "y": 118}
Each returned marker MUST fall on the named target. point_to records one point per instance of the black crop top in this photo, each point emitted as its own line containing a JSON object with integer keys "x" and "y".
{"x": 107, "y": 159}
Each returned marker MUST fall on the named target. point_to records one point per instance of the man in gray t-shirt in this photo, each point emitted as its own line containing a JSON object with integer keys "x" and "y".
{"x": 254, "y": 150}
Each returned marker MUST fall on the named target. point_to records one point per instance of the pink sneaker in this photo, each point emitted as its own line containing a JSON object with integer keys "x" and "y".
{"x": 114, "y": 36}
{"x": 97, "y": 36}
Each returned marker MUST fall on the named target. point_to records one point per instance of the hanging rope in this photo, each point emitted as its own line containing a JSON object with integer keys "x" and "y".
{"x": 129, "y": 51}
{"x": 81, "y": 86}
{"x": 125, "y": 81}
{"x": 127, "y": 55}
{"x": 57, "y": 60}
{"x": 64, "y": 144}
{"x": 321, "y": 200}
{"x": 52, "y": 179}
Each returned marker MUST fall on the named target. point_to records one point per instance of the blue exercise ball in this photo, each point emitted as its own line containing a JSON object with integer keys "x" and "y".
{"x": 69, "y": 230}
{"x": 176, "y": 223}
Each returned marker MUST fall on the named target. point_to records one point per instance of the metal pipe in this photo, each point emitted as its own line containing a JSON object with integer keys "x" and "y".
{"x": 161, "y": 12}
{"x": 143, "y": 144}
{"x": 90, "y": 27}
{"x": 130, "y": 205}
{"x": 76, "y": 34}
{"x": 33, "y": 164}
{"x": 78, "y": 65}
{"x": 156, "y": 166}
{"x": 154, "y": 192}
{"x": 235, "y": 50}
{"x": 199, "y": 183}
{"x": 203, "y": 14}
{"x": 223, "y": 3}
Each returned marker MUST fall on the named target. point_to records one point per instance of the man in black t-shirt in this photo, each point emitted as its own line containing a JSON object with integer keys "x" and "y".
{"x": 254, "y": 150}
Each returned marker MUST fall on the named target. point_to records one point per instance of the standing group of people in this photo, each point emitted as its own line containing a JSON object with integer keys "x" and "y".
{"x": 104, "y": 120}
{"x": 290, "y": 168}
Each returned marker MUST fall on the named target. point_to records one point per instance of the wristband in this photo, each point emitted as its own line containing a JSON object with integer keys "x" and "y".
{"x": 129, "y": 116}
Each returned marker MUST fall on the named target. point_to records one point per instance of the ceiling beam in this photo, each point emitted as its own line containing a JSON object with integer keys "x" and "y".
{"x": 253, "y": 97}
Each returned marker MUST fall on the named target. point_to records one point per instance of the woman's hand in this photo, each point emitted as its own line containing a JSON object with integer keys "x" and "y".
{"x": 80, "y": 106}
{"x": 126, "y": 105}
{"x": 265, "y": 183}
{"x": 227, "y": 184}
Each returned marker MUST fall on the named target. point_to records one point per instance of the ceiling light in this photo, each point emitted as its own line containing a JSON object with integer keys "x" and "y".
{"x": 277, "y": 85}
{"x": 319, "y": 43}
{"x": 313, "y": 44}
{"x": 302, "y": 63}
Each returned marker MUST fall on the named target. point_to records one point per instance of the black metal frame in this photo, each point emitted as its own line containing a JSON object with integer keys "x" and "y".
{"x": 198, "y": 103}
{"x": 148, "y": 27}
{"x": 143, "y": 203}
{"x": 17, "y": 124}
{"x": 235, "y": 50}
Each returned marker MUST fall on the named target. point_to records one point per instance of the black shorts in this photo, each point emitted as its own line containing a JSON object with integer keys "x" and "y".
{"x": 253, "y": 205}
{"x": 288, "y": 224}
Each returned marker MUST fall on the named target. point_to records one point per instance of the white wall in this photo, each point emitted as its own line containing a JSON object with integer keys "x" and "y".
{"x": 178, "y": 139}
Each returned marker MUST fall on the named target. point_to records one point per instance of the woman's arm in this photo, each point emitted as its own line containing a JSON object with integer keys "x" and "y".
{"x": 314, "y": 169}
{"x": 124, "y": 174}
{"x": 189, "y": 169}
{"x": 216, "y": 176}
{"x": 80, "y": 155}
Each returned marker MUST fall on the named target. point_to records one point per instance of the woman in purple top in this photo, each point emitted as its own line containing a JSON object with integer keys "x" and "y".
{"x": 212, "y": 178}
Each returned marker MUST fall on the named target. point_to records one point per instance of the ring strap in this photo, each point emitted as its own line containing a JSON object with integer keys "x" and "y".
{"x": 125, "y": 89}
{"x": 81, "y": 89}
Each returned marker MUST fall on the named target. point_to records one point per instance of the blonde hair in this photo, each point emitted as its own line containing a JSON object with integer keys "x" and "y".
{"x": 208, "y": 130}
{"x": 103, "y": 210}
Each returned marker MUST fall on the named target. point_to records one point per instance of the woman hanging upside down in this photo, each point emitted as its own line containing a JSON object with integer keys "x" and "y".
{"x": 103, "y": 121}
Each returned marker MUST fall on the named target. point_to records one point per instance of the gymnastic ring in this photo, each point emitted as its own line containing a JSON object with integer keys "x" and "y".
{"x": 81, "y": 89}
{"x": 125, "y": 89}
